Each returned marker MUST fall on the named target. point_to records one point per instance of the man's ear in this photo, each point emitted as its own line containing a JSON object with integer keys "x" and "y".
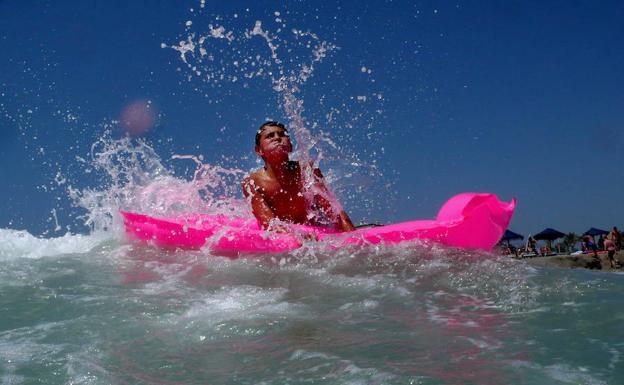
{"x": 259, "y": 151}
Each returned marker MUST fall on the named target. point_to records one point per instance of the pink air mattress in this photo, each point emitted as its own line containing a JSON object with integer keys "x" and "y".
{"x": 469, "y": 220}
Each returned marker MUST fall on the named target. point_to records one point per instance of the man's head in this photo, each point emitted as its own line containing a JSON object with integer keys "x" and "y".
{"x": 272, "y": 141}
{"x": 266, "y": 124}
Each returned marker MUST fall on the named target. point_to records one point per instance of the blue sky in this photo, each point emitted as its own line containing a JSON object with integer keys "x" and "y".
{"x": 522, "y": 99}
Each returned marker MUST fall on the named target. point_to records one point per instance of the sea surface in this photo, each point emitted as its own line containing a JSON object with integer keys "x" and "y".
{"x": 97, "y": 310}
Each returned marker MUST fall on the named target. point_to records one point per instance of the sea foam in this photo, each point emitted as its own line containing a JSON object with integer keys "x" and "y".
{"x": 21, "y": 244}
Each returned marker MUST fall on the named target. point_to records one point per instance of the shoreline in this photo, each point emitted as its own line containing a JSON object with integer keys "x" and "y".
{"x": 579, "y": 261}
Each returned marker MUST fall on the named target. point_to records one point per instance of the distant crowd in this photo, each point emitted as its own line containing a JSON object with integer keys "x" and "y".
{"x": 609, "y": 243}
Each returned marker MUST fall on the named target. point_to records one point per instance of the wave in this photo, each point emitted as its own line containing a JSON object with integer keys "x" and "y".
{"x": 16, "y": 244}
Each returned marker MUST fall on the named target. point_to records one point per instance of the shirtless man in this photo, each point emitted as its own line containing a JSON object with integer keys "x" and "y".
{"x": 276, "y": 190}
{"x": 609, "y": 245}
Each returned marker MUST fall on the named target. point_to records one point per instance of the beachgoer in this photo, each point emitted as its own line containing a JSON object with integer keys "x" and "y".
{"x": 610, "y": 247}
{"x": 590, "y": 244}
{"x": 616, "y": 237}
{"x": 532, "y": 245}
{"x": 277, "y": 190}
{"x": 601, "y": 243}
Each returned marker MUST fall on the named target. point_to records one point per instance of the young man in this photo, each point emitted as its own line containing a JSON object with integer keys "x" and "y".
{"x": 609, "y": 245}
{"x": 277, "y": 192}
{"x": 616, "y": 237}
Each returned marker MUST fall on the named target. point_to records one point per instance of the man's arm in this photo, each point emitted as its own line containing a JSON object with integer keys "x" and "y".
{"x": 259, "y": 206}
{"x": 342, "y": 220}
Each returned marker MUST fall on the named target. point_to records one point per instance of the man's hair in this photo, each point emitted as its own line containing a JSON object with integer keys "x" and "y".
{"x": 269, "y": 123}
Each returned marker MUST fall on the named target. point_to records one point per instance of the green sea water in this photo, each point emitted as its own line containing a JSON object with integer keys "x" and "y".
{"x": 100, "y": 311}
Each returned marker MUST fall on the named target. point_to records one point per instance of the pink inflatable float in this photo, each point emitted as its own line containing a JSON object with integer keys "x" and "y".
{"x": 469, "y": 220}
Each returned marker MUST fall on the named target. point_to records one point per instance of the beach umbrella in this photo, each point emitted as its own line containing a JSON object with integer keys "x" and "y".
{"x": 595, "y": 232}
{"x": 549, "y": 234}
{"x": 510, "y": 236}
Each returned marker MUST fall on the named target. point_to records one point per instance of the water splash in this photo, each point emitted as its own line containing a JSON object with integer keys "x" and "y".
{"x": 286, "y": 58}
{"x": 128, "y": 173}
{"x": 135, "y": 179}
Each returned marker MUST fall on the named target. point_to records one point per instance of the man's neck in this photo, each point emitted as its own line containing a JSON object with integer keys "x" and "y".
{"x": 280, "y": 169}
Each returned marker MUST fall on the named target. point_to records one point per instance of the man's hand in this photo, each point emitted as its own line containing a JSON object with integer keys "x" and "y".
{"x": 278, "y": 227}
{"x": 259, "y": 206}
{"x": 283, "y": 228}
{"x": 345, "y": 222}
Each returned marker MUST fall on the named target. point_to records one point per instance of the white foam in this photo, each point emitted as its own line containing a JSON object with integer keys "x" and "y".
{"x": 83, "y": 369}
{"x": 563, "y": 373}
{"x": 485, "y": 345}
{"x": 364, "y": 284}
{"x": 367, "y": 304}
{"x": 16, "y": 244}
{"x": 615, "y": 358}
{"x": 345, "y": 370}
{"x": 242, "y": 302}
{"x": 20, "y": 347}
{"x": 171, "y": 277}
{"x": 570, "y": 375}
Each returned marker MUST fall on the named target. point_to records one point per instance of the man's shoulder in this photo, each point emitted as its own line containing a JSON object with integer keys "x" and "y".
{"x": 252, "y": 183}
{"x": 257, "y": 176}
{"x": 256, "y": 179}
{"x": 252, "y": 175}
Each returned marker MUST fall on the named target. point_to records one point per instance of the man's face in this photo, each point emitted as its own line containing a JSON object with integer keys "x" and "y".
{"x": 274, "y": 143}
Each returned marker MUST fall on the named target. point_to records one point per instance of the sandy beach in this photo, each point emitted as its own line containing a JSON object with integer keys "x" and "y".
{"x": 586, "y": 261}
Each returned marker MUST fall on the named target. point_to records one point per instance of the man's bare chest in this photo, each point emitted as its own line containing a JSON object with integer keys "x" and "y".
{"x": 277, "y": 193}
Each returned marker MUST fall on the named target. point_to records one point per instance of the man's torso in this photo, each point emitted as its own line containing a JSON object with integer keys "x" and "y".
{"x": 285, "y": 197}
{"x": 609, "y": 245}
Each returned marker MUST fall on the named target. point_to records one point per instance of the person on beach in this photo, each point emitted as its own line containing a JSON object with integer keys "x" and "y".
{"x": 590, "y": 245}
{"x": 276, "y": 191}
{"x": 601, "y": 243}
{"x": 532, "y": 245}
{"x": 610, "y": 247}
{"x": 616, "y": 237}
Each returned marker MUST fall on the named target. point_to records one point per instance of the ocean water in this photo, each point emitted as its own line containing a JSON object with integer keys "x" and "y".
{"x": 95, "y": 309}
{"x": 98, "y": 310}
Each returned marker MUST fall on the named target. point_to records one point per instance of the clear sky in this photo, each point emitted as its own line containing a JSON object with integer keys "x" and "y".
{"x": 521, "y": 98}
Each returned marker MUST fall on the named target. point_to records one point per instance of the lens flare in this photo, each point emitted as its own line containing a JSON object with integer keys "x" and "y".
{"x": 138, "y": 117}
